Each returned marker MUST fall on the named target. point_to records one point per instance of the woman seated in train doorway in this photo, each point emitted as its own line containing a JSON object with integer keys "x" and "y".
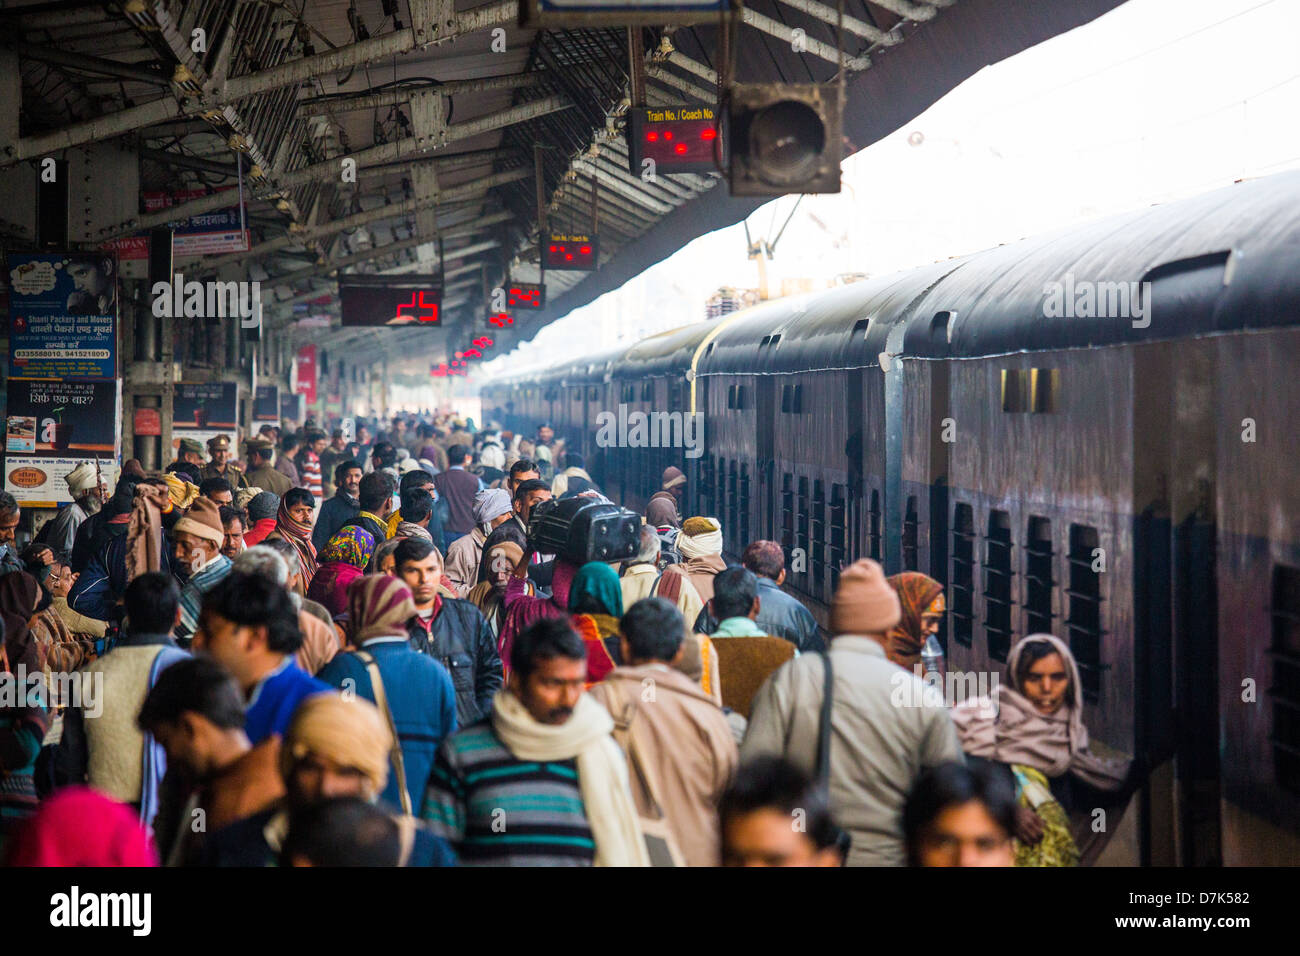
{"x": 1035, "y": 729}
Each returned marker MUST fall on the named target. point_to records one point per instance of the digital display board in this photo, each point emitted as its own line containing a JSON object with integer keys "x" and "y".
{"x": 573, "y": 252}
{"x": 391, "y": 300}
{"x": 679, "y": 139}
{"x": 525, "y": 295}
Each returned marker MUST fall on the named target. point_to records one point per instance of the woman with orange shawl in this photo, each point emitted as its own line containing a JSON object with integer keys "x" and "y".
{"x": 921, "y": 600}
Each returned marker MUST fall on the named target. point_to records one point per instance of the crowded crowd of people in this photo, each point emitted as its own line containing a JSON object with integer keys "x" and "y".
{"x": 347, "y": 649}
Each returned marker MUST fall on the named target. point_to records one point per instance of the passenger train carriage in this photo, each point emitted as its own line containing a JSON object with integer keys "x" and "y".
{"x": 1092, "y": 433}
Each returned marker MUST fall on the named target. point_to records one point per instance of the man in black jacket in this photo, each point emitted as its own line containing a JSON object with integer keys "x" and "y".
{"x": 342, "y": 507}
{"x": 453, "y": 632}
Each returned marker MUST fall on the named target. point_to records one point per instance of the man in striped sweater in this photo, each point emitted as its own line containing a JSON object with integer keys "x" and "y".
{"x": 309, "y": 463}
{"x": 540, "y": 782}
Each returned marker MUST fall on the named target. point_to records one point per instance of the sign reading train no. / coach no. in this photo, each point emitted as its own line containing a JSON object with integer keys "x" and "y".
{"x": 615, "y": 13}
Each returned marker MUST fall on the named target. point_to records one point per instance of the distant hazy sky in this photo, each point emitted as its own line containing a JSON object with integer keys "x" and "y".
{"x": 1157, "y": 100}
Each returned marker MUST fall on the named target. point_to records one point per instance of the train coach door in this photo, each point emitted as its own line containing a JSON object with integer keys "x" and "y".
{"x": 1197, "y": 687}
{"x": 765, "y": 449}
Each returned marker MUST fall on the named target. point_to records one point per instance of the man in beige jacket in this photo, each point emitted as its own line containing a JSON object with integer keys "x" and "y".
{"x": 674, "y": 729}
{"x": 887, "y": 724}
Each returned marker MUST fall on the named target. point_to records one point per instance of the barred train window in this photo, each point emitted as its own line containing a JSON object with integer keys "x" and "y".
{"x": 963, "y": 574}
{"x": 787, "y": 511}
{"x": 1285, "y": 689}
{"x": 839, "y": 532}
{"x": 1084, "y": 622}
{"x": 911, "y": 527}
{"x": 819, "y": 534}
{"x": 1038, "y": 577}
{"x": 998, "y": 574}
{"x": 802, "y": 516}
{"x": 744, "y": 505}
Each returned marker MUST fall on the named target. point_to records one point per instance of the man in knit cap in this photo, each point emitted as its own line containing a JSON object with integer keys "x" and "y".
{"x": 888, "y": 726}
{"x": 196, "y": 547}
{"x": 262, "y": 509}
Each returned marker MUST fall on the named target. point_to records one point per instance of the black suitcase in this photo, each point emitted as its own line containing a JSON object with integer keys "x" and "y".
{"x": 583, "y": 529}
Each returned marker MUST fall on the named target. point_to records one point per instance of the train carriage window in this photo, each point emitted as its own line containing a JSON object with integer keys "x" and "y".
{"x": 802, "y": 516}
{"x": 731, "y": 396}
{"x": 1084, "y": 622}
{"x": 1015, "y": 390}
{"x": 744, "y": 506}
{"x": 839, "y": 532}
{"x": 740, "y": 397}
{"x": 733, "y": 504}
{"x": 819, "y": 536}
{"x": 1285, "y": 688}
{"x": 963, "y": 574}
{"x": 998, "y": 576}
{"x": 873, "y": 527}
{"x": 1038, "y": 577}
{"x": 787, "y": 511}
{"x": 911, "y": 529}
{"x": 648, "y": 392}
{"x": 1044, "y": 386}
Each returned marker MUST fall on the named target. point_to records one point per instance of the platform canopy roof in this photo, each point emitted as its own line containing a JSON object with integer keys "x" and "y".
{"x": 447, "y": 109}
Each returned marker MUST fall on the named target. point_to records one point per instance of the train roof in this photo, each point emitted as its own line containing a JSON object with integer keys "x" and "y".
{"x": 1221, "y": 261}
{"x": 668, "y": 353}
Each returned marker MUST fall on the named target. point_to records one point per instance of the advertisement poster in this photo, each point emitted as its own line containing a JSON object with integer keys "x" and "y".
{"x": 266, "y": 404}
{"x": 206, "y": 405}
{"x": 62, "y": 315}
{"x": 62, "y": 418}
{"x": 305, "y": 370}
{"x": 40, "y": 482}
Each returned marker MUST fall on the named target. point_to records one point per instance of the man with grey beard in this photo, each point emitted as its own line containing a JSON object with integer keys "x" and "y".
{"x": 87, "y": 494}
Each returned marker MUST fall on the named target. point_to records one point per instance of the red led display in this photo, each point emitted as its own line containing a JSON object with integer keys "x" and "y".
{"x": 679, "y": 139}
{"x": 577, "y": 253}
{"x": 525, "y": 295}
{"x": 390, "y": 300}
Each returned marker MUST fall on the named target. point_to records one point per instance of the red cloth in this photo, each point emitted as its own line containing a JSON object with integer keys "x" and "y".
{"x": 599, "y": 663}
{"x": 259, "y": 531}
{"x": 79, "y": 827}
{"x": 329, "y": 586}
{"x": 522, "y": 609}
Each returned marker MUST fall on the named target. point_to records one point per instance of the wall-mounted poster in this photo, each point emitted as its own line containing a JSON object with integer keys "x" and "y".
{"x": 266, "y": 404}
{"x": 37, "y": 481}
{"x": 206, "y": 405}
{"x": 305, "y": 373}
{"x": 62, "y": 315}
{"x": 63, "y": 418}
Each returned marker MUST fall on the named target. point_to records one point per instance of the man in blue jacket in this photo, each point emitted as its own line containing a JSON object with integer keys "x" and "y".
{"x": 249, "y": 625}
{"x": 413, "y": 688}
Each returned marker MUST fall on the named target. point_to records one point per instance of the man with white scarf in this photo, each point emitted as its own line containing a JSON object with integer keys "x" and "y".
{"x": 492, "y": 507}
{"x": 558, "y": 793}
{"x": 689, "y": 585}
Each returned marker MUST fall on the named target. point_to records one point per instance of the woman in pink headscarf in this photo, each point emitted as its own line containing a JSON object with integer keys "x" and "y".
{"x": 522, "y": 609}
{"x": 79, "y": 827}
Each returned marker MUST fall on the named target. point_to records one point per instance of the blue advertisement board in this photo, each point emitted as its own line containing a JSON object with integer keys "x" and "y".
{"x": 62, "y": 315}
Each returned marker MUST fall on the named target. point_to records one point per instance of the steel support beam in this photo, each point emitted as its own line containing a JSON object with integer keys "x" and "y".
{"x": 236, "y": 88}
{"x": 829, "y": 15}
{"x": 85, "y": 63}
{"x": 397, "y": 151}
{"x": 815, "y": 47}
{"x": 325, "y": 105}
